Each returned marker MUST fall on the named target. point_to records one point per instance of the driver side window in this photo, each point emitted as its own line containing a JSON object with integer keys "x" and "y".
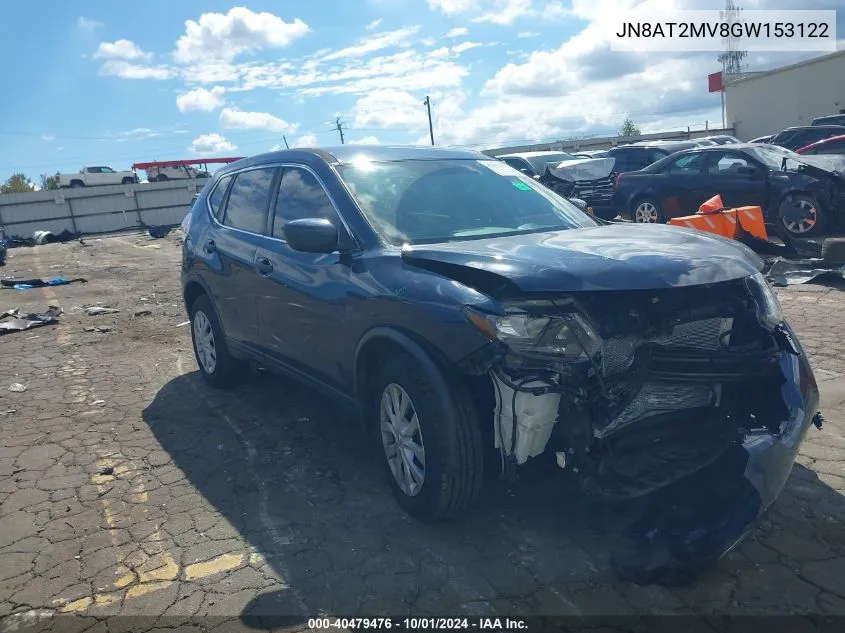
{"x": 686, "y": 164}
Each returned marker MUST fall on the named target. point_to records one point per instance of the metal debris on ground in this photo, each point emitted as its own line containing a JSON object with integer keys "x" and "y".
{"x": 100, "y": 330}
{"x": 95, "y": 310}
{"x": 183, "y": 324}
{"x": 17, "y": 388}
{"x": 140, "y": 313}
{"x": 785, "y": 272}
{"x": 14, "y": 321}
{"x": 28, "y": 284}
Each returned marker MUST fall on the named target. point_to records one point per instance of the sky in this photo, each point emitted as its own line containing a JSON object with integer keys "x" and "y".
{"x": 104, "y": 82}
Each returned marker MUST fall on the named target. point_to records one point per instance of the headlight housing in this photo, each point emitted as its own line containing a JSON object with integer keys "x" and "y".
{"x": 768, "y": 308}
{"x": 540, "y": 329}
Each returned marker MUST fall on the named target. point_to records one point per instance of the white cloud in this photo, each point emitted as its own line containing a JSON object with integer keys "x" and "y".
{"x": 277, "y": 147}
{"x": 48, "y": 137}
{"x": 241, "y": 120}
{"x": 127, "y": 70}
{"x": 306, "y": 140}
{"x": 88, "y": 25}
{"x": 465, "y": 46}
{"x": 367, "y": 140}
{"x": 121, "y": 49}
{"x": 201, "y": 99}
{"x": 524, "y": 34}
{"x": 457, "y": 31}
{"x": 374, "y": 24}
{"x": 389, "y": 109}
{"x": 506, "y": 12}
{"x": 451, "y": 7}
{"x": 373, "y": 43}
{"x": 219, "y": 36}
{"x": 211, "y": 144}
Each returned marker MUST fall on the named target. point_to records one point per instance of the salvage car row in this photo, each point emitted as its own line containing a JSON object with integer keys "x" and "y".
{"x": 801, "y": 192}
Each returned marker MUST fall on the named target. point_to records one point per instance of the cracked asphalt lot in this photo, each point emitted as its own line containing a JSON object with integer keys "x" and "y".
{"x": 128, "y": 487}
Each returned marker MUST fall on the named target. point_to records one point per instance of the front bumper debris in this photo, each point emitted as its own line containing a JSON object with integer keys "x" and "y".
{"x": 697, "y": 424}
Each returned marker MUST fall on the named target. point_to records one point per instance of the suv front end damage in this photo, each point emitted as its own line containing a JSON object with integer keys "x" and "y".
{"x": 693, "y": 400}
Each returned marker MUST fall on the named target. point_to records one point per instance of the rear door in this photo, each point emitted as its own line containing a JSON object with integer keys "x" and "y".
{"x": 681, "y": 185}
{"x": 303, "y": 296}
{"x": 736, "y": 178}
{"x": 234, "y": 242}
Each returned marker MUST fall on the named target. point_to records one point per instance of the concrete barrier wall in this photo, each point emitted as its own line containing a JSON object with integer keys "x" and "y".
{"x": 97, "y": 209}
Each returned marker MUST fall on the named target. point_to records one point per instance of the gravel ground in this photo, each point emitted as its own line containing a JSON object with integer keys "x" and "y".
{"x": 127, "y": 487}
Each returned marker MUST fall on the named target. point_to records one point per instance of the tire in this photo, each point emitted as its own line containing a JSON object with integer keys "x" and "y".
{"x": 447, "y": 430}
{"x": 225, "y": 371}
{"x": 816, "y": 220}
{"x": 127, "y": 181}
{"x": 646, "y": 210}
{"x": 76, "y": 184}
{"x": 161, "y": 178}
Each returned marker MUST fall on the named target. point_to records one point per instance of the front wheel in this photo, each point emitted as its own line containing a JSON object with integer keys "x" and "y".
{"x": 431, "y": 444}
{"x": 647, "y": 211}
{"x": 162, "y": 178}
{"x": 801, "y": 216}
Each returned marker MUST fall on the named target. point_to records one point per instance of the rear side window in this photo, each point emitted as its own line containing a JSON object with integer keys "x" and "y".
{"x": 249, "y": 200}
{"x": 215, "y": 199}
{"x": 300, "y": 196}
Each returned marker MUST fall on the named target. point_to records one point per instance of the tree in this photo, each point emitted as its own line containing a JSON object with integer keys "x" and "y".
{"x": 629, "y": 129}
{"x": 17, "y": 183}
{"x": 49, "y": 182}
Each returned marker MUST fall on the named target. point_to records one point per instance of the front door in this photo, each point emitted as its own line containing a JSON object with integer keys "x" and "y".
{"x": 736, "y": 178}
{"x": 301, "y": 304}
{"x": 682, "y": 185}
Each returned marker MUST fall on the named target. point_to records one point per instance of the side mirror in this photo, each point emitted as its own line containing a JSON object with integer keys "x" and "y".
{"x": 581, "y": 204}
{"x": 312, "y": 235}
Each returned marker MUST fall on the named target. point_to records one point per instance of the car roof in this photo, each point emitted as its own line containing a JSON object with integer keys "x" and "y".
{"x": 813, "y": 127}
{"x": 531, "y": 154}
{"x": 829, "y": 139}
{"x": 342, "y": 154}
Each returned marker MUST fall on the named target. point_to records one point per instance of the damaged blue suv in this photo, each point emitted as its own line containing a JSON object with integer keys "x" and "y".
{"x": 464, "y": 309}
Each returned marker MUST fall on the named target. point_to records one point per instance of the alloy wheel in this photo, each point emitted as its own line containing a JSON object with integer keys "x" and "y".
{"x": 646, "y": 213}
{"x": 402, "y": 439}
{"x": 806, "y": 223}
{"x": 204, "y": 342}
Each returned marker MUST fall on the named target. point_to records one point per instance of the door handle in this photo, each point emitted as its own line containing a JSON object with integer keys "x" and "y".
{"x": 209, "y": 247}
{"x": 264, "y": 266}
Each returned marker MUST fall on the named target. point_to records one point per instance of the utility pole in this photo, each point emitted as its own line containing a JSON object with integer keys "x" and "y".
{"x": 340, "y": 129}
{"x": 427, "y": 104}
{"x": 284, "y": 138}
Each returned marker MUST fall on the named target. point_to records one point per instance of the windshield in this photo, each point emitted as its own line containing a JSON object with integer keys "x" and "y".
{"x": 772, "y": 156}
{"x": 540, "y": 162}
{"x": 425, "y": 201}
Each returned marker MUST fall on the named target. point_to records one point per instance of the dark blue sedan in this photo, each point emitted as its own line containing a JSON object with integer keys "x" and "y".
{"x": 477, "y": 321}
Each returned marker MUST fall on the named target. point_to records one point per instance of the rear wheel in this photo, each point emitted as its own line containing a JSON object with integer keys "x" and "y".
{"x": 217, "y": 366}
{"x": 161, "y": 178}
{"x": 802, "y": 216}
{"x": 76, "y": 184}
{"x": 647, "y": 211}
{"x": 431, "y": 445}
{"x": 128, "y": 181}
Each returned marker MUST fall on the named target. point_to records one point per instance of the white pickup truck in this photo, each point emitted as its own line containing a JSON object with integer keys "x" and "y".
{"x": 97, "y": 176}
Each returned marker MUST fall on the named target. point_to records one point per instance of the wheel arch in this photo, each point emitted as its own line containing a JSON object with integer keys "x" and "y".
{"x": 194, "y": 288}
{"x": 381, "y": 341}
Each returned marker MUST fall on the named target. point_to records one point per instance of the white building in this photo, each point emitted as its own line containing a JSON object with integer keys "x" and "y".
{"x": 764, "y": 103}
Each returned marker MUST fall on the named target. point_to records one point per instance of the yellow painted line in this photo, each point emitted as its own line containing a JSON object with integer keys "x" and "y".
{"x": 142, "y": 590}
{"x": 161, "y": 567}
{"x": 77, "y": 606}
{"x": 218, "y": 565}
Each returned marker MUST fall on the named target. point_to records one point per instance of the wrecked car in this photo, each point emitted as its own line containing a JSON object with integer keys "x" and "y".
{"x": 587, "y": 179}
{"x": 466, "y": 311}
{"x": 804, "y": 194}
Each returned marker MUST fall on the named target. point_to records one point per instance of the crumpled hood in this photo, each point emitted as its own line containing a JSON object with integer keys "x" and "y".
{"x": 832, "y": 163}
{"x": 583, "y": 169}
{"x": 614, "y": 257}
